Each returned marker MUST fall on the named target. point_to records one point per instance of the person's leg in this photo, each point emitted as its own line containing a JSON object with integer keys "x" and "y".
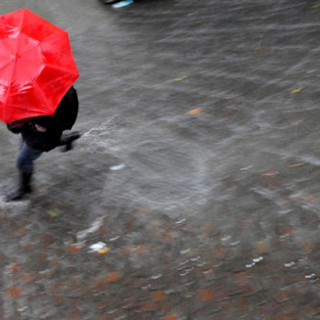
{"x": 26, "y": 157}
{"x": 25, "y": 166}
{"x": 67, "y": 140}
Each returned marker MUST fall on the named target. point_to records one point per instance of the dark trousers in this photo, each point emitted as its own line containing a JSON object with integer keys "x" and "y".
{"x": 26, "y": 157}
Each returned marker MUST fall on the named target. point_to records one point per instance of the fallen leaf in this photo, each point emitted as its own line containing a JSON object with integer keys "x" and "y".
{"x": 205, "y": 294}
{"x": 228, "y": 113}
{"x": 23, "y": 230}
{"x": 141, "y": 249}
{"x": 126, "y": 250}
{"x": 105, "y": 316}
{"x": 308, "y": 245}
{"x": 255, "y": 53}
{"x": 220, "y": 252}
{"x": 208, "y": 229}
{"x": 148, "y": 306}
{"x": 296, "y": 165}
{"x": 14, "y": 268}
{"x": 190, "y": 251}
{"x": 29, "y": 246}
{"x": 170, "y": 317}
{"x": 103, "y": 251}
{"x": 195, "y": 111}
{"x": 297, "y": 90}
{"x": 287, "y": 230}
{"x": 282, "y": 295}
{"x": 47, "y": 238}
{"x": 311, "y": 198}
{"x": 242, "y": 302}
{"x": 262, "y": 246}
{"x": 27, "y": 277}
{"x": 100, "y": 283}
{"x": 168, "y": 237}
{"x": 181, "y": 78}
{"x": 144, "y": 211}
{"x": 74, "y": 248}
{"x": 158, "y": 295}
{"x": 282, "y": 316}
{"x": 242, "y": 278}
{"x": 270, "y": 182}
{"x": 269, "y": 173}
{"x": 58, "y": 299}
{"x": 14, "y": 292}
{"x": 74, "y": 314}
{"x": 54, "y": 212}
{"x": 113, "y": 276}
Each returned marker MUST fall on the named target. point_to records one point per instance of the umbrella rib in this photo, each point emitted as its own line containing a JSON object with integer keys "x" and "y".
{"x": 63, "y": 69}
{"x": 17, "y": 48}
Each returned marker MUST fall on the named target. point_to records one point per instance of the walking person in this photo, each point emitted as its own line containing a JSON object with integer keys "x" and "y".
{"x": 37, "y": 97}
{"x": 42, "y": 134}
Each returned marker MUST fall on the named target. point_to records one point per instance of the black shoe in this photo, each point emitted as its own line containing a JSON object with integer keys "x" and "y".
{"x": 22, "y": 189}
{"x": 67, "y": 140}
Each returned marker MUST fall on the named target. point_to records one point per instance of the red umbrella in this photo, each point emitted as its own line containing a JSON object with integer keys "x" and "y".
{"x": 36, "y": 66}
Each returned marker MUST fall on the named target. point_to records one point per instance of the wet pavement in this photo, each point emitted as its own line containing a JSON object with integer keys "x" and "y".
{"x": 193, "y": 193}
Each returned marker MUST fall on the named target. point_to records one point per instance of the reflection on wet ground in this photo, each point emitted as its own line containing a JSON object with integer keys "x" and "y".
{"x": 193, "y": 192}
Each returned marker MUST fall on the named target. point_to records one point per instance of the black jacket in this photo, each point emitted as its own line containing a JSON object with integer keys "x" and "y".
{"x": 44, "y": 133}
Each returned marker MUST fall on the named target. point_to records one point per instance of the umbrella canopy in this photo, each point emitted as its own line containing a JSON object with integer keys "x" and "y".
{"x": 36, "y": 66}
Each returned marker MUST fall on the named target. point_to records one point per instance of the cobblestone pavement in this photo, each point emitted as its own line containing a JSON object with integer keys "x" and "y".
{"x": 194, "y": 191}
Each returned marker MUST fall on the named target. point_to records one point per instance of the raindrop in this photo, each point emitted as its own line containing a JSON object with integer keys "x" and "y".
{"x": 187, "y": 271}
{"x": 201, "y": 264}
{"x": 208, "y": 271}
{"x": 226, "y": 238}
{"x": 246, "y": 168}
{"x": 114, "y": 239}
{"x": 195, "y": 259}
{"x": 118, "y": 167}
{"x": 233, "y": 244}
{"x": 112, "y": 311}
{"x": 290, "y": 264}
{"x": 181, "y": 221}
{"x": 147, "y": 287}
{"x": 284, "y": 236}
{"x": 257, "y": 259}
{"x": 250, "y": 265}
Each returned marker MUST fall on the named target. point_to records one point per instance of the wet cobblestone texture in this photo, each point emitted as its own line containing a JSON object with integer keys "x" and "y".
{"x": 194, "y": 191}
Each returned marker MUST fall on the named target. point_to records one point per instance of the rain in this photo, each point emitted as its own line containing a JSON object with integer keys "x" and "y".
{"x": 193, "y": 192}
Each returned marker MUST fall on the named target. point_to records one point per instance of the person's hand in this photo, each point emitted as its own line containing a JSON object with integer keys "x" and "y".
{"x": 16, "y": 126}
{"x": 40, "y": 128}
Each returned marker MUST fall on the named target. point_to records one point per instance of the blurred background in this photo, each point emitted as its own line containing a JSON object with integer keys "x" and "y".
{"x": 193, "y": 193}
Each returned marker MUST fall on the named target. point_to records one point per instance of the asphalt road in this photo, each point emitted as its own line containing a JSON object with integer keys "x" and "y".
{"x": 194, "y": 192}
